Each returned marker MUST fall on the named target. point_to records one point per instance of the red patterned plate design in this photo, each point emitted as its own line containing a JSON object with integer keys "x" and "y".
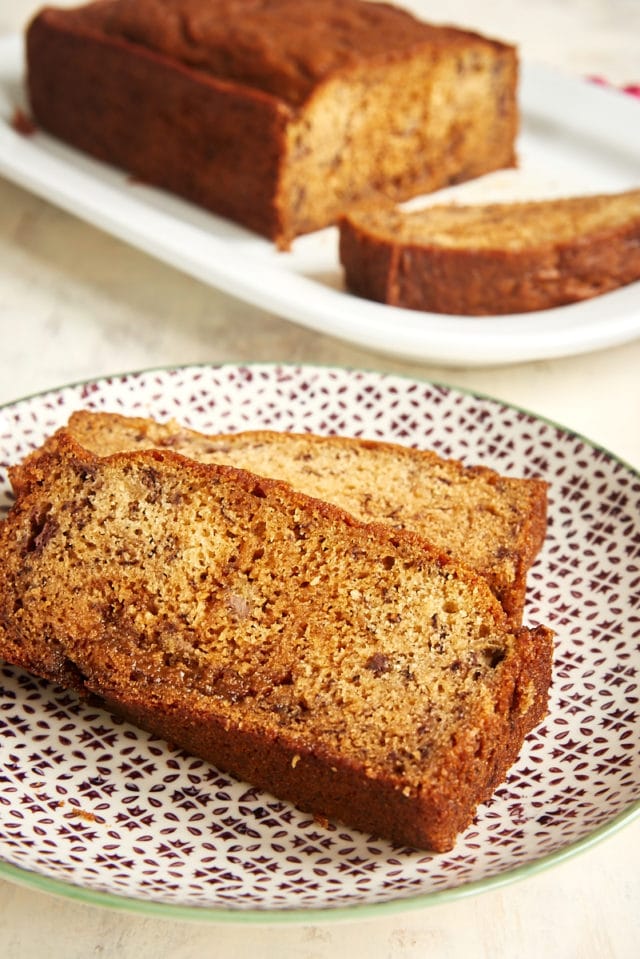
{"x": 93, "y": 808}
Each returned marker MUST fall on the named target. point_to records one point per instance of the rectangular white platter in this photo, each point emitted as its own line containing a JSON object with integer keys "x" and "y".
{"x": 576, "y": 137}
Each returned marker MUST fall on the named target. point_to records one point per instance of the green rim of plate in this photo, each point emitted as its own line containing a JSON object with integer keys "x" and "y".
{"x": 59, "y": 887}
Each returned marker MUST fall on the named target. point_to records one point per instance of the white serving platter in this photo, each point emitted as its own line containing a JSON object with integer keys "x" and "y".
{"x": 576, "y": 137}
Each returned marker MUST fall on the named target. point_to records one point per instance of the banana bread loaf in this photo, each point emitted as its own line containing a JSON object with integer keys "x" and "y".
{"x": 345, "y": 667}
{"x": 495, "y": 524}
{"x": 497, "y": 258}
{"x": 279, "y": 114}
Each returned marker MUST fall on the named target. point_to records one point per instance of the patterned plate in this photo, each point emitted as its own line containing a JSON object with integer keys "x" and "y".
{"x": 92, "y": 808}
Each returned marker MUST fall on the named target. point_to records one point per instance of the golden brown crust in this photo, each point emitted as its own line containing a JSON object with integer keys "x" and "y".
{"x": 249, "y": 123}
{"x": 269, "y": 46}
{"x": 495, "y": 524}
{"x": 333, "y": 788}
{"x": 346, "y": 667}
{"x": 216, "y": 144}
{"x": 494, "y": 259}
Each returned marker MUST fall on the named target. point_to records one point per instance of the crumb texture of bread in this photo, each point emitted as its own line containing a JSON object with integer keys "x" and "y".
{"x": 342, "y": 666}
{"x": 493, "y": 523}
{"x": 280, "y": 115}
{"x": 495, "y": 258}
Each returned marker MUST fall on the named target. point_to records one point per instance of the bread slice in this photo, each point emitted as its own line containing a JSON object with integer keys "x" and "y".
{"x": 494, "y": 259}
{"x": 345, "y": 667}
{"x": 493, "y": 523}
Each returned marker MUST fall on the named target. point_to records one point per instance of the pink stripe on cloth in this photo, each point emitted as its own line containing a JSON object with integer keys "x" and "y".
{"x": 633, "y": 89}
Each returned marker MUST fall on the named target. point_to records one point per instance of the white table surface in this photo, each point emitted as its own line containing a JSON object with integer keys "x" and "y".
{"x": 75, "y": 303}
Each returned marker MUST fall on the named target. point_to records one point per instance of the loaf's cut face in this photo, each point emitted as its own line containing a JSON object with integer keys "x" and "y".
{"x": 346, "y": 667}
{"x": 388, "y": 131}
{"x": 494, "y": 258}
{"x": 493, "y": 523}
{"x": 281, "y": 115}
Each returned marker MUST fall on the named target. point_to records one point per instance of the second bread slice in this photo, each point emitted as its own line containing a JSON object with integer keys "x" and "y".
{"x": 496, "y": 258}
{"x": 495, "y": 524}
